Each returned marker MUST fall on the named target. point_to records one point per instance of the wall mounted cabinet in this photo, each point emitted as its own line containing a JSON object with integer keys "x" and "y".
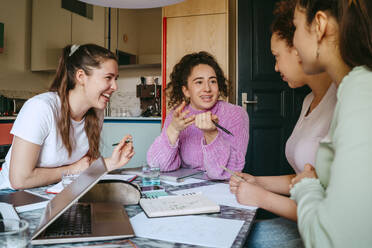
{"x": 137, "y": 32}
{"x": 54, "y": 27}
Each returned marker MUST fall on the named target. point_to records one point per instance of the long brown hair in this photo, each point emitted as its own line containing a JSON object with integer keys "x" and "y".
{"x": 182, "y": 70}
{"x": 85, "y": 57}
{"x": 356, "y": 32}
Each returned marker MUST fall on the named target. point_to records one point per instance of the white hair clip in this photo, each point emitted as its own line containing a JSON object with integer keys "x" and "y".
{"x": 73, "y": 48}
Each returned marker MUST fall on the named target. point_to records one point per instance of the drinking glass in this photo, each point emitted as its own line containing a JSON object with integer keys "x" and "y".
{"x": 155, "y": 174}
{"x": 150, "y": 175}
{"x": 146, "y": 175}
{"x": 68, "y": 177}
{"x": 14, "y": 233}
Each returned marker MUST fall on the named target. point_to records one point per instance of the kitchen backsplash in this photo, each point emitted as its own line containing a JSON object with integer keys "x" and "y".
{"x": 124, "y": 101}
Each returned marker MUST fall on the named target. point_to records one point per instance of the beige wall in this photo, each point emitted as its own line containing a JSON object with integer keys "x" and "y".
{"x": 15, "y": 74}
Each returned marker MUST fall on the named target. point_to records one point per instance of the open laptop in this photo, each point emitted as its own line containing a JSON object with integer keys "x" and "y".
{"x": 96, "y": 221}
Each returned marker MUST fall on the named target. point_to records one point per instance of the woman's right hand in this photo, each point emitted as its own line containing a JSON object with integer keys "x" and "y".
{"x": 179, "y": 122}
{"x": 80, "y": 165}
{"x": 234, "y": 182}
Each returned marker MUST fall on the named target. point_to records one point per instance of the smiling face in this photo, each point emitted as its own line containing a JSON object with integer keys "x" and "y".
{"x": 100, "y": 84}
{"x": 202, "y": 87}
{"x": 287, "y": 62}
{"x": 306, "y": 42}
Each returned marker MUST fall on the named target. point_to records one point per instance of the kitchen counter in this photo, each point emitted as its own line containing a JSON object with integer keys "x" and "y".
{"x": 7, "y": 119}
{"x": 144, "y": 130}
{"x": 111, "y": 119}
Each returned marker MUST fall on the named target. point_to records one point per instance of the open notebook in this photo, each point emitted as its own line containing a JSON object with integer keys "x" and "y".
{"x": 173, "y": 205}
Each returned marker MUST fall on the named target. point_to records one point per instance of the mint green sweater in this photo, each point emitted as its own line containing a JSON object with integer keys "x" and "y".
{"x": 336, "y": 209}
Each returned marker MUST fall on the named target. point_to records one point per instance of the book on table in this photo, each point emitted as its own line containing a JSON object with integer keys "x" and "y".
{"x": 173, "y": 205}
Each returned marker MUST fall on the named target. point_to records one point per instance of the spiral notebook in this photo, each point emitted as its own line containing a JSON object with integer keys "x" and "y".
{"x": 173, "y": 205}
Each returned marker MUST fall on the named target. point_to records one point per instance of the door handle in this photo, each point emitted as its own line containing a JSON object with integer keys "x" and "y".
{"x": 245, "y": 101}
{"x": 250, "y": 102}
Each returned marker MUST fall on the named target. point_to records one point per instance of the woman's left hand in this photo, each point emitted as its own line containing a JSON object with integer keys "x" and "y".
{"x": 204, "y": 122}
{"x": 249, "y": 194}
{"x": 121, "y": 155}
{"x": 309, "y": 172}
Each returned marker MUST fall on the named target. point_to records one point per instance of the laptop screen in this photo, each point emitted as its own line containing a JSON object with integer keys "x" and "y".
{"x": 71, "y": 194}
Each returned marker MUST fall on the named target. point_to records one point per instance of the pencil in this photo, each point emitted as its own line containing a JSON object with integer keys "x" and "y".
{"x": 222, "y": 128}
{"x": 232, "y": 173}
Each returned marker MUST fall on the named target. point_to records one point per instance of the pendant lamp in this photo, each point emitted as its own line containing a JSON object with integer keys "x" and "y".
{"x": 132, "y": 4}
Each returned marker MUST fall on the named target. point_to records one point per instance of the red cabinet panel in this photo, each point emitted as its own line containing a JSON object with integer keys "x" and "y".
{"x": 5, "y": 136}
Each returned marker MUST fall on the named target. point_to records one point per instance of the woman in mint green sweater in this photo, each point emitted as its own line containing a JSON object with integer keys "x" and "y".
{"x": 334, "y": 202}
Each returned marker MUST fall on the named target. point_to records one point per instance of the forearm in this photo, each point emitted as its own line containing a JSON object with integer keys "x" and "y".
{"x": 36, "y": 177}
{"x": 163, "y": 154}
{"x": 276, "y": 184}
{"x": 279, "y": 205}
{"x": 172, "y": 135}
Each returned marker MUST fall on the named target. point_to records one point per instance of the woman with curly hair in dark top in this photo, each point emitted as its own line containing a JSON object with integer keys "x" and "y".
{"x": 189, "y": 138}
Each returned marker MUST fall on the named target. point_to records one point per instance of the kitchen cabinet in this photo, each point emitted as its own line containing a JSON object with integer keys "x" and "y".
{"x": 54, "y": 27}
{"x": 196, "y": 7}
{"x": 197, "y": 33}
{"x": 137, "y": 32}
{"x": 143, "y": 130}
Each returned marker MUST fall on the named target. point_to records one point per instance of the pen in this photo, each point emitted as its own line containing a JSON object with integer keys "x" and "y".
{"x": 126, "y": 141}
{"x": 190, "y": 175}
{"x": 232, "y": 173}
{"x": 132, "y": 179}
{"x": 222, "y": 128}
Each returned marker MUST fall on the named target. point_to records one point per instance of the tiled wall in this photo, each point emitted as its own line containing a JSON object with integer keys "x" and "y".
{"x": 124, "y": 99}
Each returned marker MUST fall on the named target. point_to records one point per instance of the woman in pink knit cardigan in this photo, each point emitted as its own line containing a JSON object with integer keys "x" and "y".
{"x": 189, "y": 138}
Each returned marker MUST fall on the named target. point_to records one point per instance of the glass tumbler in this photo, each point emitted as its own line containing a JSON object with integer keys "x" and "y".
{"x": 68, "y": 177}
{"x": 14, "y": 233}
{"x": 150, "y": 175}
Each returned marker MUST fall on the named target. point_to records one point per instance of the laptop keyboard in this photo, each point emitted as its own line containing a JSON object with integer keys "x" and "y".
{"x": 76, "y": 221}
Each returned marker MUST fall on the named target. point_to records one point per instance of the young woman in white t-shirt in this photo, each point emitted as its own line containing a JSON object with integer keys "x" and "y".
{"x": 270, "y": 192}
{"x": 60, "y": 130}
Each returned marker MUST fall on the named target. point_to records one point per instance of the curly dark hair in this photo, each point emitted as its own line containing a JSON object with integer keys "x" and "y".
{"x": 182, "y": 70}
{"x": 283, "y": 20}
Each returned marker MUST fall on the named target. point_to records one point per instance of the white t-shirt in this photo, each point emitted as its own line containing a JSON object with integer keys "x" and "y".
{"x": 303, "y": 143}
{"x": 37, "y": 123}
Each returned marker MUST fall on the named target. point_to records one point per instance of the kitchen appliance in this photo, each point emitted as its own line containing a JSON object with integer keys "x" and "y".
{"x": 150, "y": 97}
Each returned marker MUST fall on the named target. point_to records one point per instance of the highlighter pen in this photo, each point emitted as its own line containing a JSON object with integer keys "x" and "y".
{"x": 126, "y": 141}
{"x": 232, "y": 173}
{"x": 222, "y": 128}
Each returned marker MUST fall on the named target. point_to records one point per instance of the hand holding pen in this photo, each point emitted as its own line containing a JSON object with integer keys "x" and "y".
{"x": 209, "y": 122}
{"x": 121, "y": 155}
{"x": 238, "y": 177}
